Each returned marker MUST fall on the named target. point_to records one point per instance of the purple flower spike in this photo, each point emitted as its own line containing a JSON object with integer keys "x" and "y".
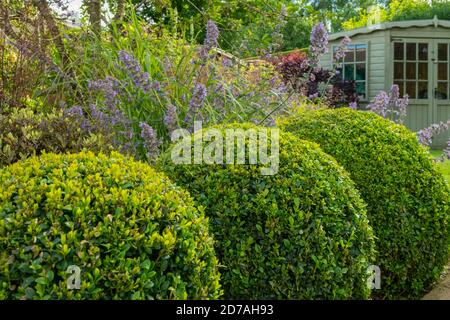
{"x": 212, "y": 34}
{"x": 342, "y": 49}
{"x": 390, "y": 105}
{"x": 170, "y": 118}
{"x": 319, "y": 41}
{"x": 151, "y": 141}
{"x": 140, "y": 78}
{"x": 198, "y": 97}
{"x": 197, "y": 101}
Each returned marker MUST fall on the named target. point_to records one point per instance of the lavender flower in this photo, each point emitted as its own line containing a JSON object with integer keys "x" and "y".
{"x": 109, "y": 87}
{"x": 197, "y": 101}
{"x": 353, "y": 105}
{"x": 394, "y": 93}
{"x": 75, "y": 111}
{"x": 211, "y": 39}
{"x": 380, "y": 104}
{"x": 140, "y": 78}
{"x": 342, "y": 49}
{"x": 226, "y": 62}
{"x": 390, "y": 105}
{"x": 99, "y": 119}
{"x": 313, "y": 96}
{"x": 212, "y": 34}
{"x": 129, "y": 61}
{"x": 425, "y": 136}
{"x": 151, "y": 141}
{"x": 170, "y": 119}
{"x": 319, "y": 42}
{"x": 447, "y": 151}
{"x": 198, "y": 97}
{"x": 167, "y": 65}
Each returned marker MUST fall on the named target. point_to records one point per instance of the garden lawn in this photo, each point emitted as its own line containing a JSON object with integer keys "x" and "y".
{"x": 443, "y": 166}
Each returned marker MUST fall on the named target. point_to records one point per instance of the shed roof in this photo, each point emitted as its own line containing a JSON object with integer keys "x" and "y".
{"x": 389, "y": 25}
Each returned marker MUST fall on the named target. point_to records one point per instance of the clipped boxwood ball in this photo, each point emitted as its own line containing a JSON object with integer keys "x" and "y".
{"x": 407, "y": 198}
{"x": 301, "y": 233}
{"x": 129, "y": 230}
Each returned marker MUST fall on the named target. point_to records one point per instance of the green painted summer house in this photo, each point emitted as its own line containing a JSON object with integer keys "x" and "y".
{"x": 413, "y": 54}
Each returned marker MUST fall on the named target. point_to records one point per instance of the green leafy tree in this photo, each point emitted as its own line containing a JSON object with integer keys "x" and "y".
{"x": 399, "y": 10}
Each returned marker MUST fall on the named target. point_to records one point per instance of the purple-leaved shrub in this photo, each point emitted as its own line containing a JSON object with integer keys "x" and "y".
{"x": 302, "y": 74}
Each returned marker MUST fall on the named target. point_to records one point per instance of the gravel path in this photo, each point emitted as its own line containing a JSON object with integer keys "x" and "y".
{"x": 442, "y": 289}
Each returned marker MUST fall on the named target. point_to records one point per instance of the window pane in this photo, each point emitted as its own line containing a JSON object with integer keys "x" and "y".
{"x": 443, "y": 71}
{"x": 411, "y": 71}
{"x": 442, "y": 91}
{"x": 443, "y": 52}
{"x": 423, "y": 71}
{"x": 349, "y": 72}
{"x": 360, "y": 54}
{"x": 423, "y": 51}
{"x": 361, "y": 71}
{"x": 411, "y": 89}
{"x": 423, "y": 90}
{"x": 411, "y": 51}
{"x": 361, "y": 89}
{"x": 398, "y": 51}
{"x": 349, "y": 56}
{"x": 398, "y": 70}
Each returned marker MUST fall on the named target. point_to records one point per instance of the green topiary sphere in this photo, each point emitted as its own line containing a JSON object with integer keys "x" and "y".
{"x": 131, "y": 233}
{"x": 301, "y": 233}
{"x": 407, "y": 198}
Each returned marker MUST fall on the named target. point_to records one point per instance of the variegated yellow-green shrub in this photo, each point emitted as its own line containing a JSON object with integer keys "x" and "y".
{"x": 132, "y": 233}
{"x": 29, "y": 131}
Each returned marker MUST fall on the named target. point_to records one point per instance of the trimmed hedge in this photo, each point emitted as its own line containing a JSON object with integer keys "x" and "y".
{"x": 407, "y": 198}
{"x": 299, "y": 234}
{"x": 131, "y": 232}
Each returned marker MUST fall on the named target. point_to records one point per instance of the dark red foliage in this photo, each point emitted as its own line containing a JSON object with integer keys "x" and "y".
{"x": 302, "y": 76}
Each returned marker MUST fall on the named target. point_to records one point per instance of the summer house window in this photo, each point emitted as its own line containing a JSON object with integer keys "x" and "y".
{"x": 443, "y": 72}
{"x": 411, "y": 69}
{"x": 353, "y": 67}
